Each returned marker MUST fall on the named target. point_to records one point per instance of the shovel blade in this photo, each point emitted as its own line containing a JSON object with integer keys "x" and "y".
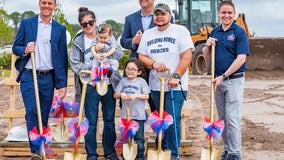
{"x": 205, "y": 154}
{"x": 102, "y": 87}
{"x": 58, "y": 134}
{"x": 74, "y": 156}
{"x": 129, "y": 151}
{"x": 159, "y": 154}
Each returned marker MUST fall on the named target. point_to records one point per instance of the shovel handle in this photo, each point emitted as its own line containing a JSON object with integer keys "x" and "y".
{"x": 162, "y": 90}
{"x": 37, "y": 102}
{"x": 164, "y": 78}
{"x": 212, "y": 85}
{"x": 212, "y": 97}
{"x": 128, "y": 109}
{"x": 162, "y": 97}
{"x": 85, "y": 81}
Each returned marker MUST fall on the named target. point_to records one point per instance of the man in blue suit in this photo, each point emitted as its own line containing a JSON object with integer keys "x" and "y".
{"x": 134, "y": 26}
{"x": 47, "y": 39}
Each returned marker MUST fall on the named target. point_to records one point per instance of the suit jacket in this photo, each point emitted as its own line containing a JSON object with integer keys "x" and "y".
{"x": 27, "y": 33}
{"x": 132, "y": 24}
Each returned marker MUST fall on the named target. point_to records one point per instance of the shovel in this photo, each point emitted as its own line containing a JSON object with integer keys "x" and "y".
{"x": 102, "y": 86}
{"x": 75, "y": 155}
{"x": 160, "y": 154}
{"x": 37, "y": 104}
{"x": 130, "y": 148}
{"x": 59, "y": 131}
{"x": 211, "y": 153}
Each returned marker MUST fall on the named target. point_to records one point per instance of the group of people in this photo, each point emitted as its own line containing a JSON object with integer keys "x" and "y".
{"x": 156, "y": 45}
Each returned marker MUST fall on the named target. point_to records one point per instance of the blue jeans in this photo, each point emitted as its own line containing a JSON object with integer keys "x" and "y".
{"x": 229, "y": 102}
{"x": 92, "y": 101}
{"x": 139, "y": 139}
{"x": 169, "y": 140}
{"x": 46, "y": 91}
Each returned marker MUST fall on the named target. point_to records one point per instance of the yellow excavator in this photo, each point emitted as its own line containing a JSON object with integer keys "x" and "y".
{"x": 201, "y": 16}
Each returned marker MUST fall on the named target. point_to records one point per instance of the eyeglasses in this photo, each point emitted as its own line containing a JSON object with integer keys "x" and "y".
{"x": 90, "y": 23}
{"x": 131, "y": 69}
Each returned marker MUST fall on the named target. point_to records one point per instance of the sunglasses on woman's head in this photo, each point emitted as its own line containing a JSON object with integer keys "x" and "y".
{"x": 90, "y": 23}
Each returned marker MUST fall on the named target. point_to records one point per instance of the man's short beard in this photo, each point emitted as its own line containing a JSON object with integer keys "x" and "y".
{"x": 162, "y": 25}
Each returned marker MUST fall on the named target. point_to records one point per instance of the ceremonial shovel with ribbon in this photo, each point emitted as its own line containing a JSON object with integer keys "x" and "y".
{"x": 213, "y": 129}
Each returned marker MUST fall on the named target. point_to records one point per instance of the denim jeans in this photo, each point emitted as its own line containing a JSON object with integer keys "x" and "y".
{"x": 92, "y": 101}
{"x": 229, "y": 102}
{"x": 169, "y": 140}
{"x": 139, "y": 139}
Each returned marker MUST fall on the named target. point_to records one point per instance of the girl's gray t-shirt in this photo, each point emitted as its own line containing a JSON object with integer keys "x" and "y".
{"x": 129, "y": 87}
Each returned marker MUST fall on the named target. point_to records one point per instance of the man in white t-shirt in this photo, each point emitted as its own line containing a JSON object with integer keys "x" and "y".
{"x": 167, "y": 46}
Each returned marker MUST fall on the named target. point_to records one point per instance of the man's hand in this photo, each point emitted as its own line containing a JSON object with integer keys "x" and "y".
{"x": 211, "y": 41}
{"x": 62, "y": 92}
{"x": 30, "y": 48}
{"x": 173, "y": 82}
{"x": 137, "y": 38}
{"x": 217, "y": 81}
{"x": 159, "y": 66}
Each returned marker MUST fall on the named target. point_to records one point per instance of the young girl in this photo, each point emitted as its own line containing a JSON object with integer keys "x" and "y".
{"x": 105, "y": 36}
{"x": 133, "y": 91}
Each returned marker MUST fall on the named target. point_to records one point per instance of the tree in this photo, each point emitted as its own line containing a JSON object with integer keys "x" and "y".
{"x": 59, "y": 16}
{"x": 75, "y": 28}
{"x": 15, "y": 17}
{"x": 6, "y": 32}
{"x": 27, "y": 14}
{"x": 4, "y": 16}
{"x": 116, "y": 27}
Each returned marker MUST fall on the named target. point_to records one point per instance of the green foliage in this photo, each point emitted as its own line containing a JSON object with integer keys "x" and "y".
{"x": 75, "y": 29}
{"x": 27, "y": 14}
{"x": 59, "y": 16}
{"x": 5, "y": 61}
{"x": 4, "y": 16}
{"x": 6, "y": 34}
{"x": 15, "y": 17}
{"x": 125, "y": 57}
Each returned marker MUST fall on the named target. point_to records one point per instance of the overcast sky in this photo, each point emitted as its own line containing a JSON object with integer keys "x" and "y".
{"x": 264, "y": 17}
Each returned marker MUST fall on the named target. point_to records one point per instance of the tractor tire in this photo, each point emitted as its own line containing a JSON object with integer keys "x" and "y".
{"x": 200, "y": 64}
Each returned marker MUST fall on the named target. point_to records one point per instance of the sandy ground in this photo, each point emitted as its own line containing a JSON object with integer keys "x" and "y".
{"x": 262, "y": 128}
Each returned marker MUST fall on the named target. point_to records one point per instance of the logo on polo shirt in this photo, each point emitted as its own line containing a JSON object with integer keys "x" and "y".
{"x": 231, "y": 37}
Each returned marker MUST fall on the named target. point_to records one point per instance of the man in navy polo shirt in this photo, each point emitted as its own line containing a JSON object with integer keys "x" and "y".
{"x": 232, "y": 48}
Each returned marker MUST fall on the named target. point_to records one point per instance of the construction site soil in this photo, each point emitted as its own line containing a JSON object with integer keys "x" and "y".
{"x": 262, "y": 121}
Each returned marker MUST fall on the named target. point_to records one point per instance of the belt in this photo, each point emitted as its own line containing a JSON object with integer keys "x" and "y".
{"x": 234, "y": 76}
{"x": 41, "y": 72}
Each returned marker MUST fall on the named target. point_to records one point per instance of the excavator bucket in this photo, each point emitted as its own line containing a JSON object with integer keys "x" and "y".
{"x": 266, "y": 53}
